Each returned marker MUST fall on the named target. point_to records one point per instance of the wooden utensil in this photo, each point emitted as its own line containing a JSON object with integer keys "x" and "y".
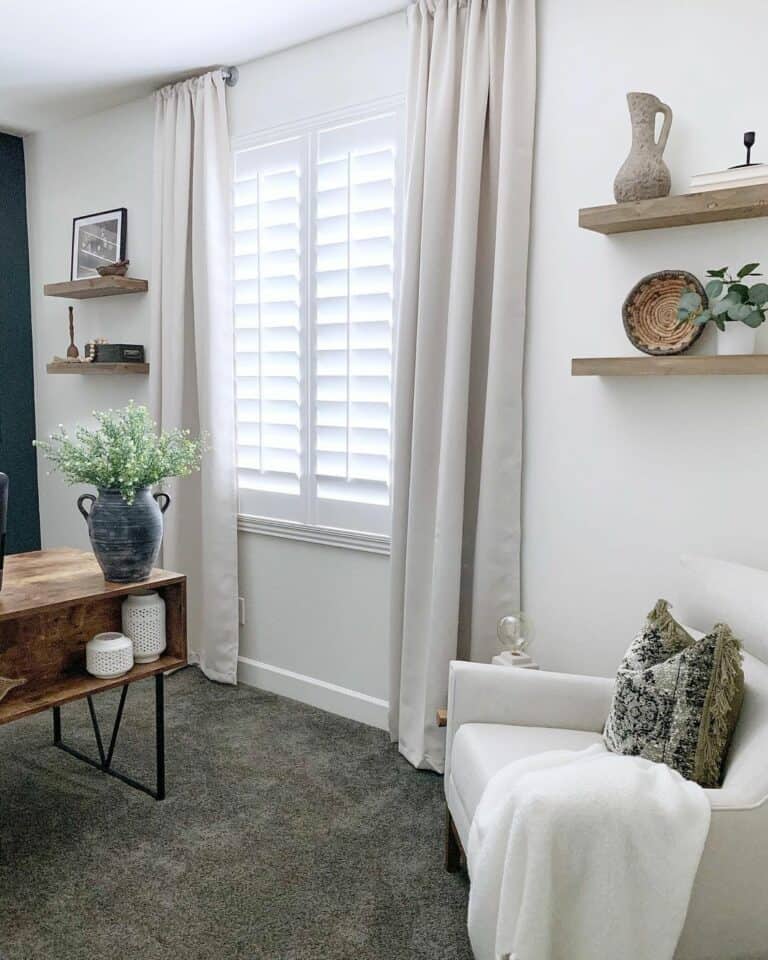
{"x": 72, "y": 352}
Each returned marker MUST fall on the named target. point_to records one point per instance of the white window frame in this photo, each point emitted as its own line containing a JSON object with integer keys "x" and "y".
{"x": 298, "y": 517}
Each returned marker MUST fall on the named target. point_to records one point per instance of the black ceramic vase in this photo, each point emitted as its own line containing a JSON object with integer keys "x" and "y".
{"x": 3, "y": 521}
{"x": 125, "y": 536}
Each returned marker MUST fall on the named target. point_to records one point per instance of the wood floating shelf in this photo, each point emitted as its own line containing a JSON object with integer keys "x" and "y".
{"x": 669, "y": 366}
{"x": 734, "y": 203}
{"x": 95, "y": 287}
{"x": 77, "y": 367}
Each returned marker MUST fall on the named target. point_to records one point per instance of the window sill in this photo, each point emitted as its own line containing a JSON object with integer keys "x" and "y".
{"x": 327, "y": 536}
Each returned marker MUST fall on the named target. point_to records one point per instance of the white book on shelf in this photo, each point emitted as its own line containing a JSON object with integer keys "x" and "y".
{"x": 729, "y": 185}
{"x": 736, "y": 176}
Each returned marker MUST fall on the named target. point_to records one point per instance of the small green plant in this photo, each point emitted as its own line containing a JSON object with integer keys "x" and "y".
{"x": 125, "y": 453}
{"x": 730, "y": 298}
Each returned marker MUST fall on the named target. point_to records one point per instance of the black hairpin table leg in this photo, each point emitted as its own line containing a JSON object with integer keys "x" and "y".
{"x": 104, "y": 763}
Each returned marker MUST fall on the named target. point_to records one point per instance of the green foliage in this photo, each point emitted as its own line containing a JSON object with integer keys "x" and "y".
{"x": 729, "y": 299}
{"x": 125, "y": 453}
{"x": 747, "y": 270}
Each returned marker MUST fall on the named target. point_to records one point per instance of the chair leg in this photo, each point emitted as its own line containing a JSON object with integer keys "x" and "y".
{"x": 452, "y": 846}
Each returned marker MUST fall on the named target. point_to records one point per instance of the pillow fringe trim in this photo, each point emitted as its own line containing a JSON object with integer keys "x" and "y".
{"x": 725, "y": 689}
{"x": 662, "y": 619}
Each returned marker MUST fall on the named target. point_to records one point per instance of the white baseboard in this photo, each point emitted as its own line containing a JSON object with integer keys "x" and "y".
{"x": 317, "y": 693}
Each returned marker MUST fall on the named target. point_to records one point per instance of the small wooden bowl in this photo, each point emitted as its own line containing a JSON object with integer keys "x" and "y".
{"x": 650, "y": 313}
{"x": 118, "y": 269}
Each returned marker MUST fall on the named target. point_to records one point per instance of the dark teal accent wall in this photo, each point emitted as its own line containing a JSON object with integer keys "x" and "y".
{"x": 17, "y": 397}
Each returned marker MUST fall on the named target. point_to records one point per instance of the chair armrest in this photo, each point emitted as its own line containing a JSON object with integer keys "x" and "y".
{"x": 484, "y": 693}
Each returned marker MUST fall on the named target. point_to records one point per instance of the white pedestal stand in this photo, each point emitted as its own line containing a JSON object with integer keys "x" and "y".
{"x": 509, "y": 659}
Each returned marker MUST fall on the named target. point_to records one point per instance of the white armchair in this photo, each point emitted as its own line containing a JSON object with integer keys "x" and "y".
{"x": 497, "y": 715}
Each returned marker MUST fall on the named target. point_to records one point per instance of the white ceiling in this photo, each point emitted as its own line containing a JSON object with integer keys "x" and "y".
{"x": 61, "y": 59}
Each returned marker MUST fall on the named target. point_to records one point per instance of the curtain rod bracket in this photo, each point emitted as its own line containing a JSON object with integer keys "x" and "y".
{"x": 231, "y": 75}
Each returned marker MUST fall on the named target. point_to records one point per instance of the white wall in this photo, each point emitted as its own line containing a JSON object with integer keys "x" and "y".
{"x": 97, "y": 163}
{"x": 316, "y": 623}
{"x": 338, "y": 71}
{"x": 623, "y": 474}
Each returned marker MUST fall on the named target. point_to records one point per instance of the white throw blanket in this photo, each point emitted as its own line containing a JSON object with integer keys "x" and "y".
{"x": 584, "y": 855}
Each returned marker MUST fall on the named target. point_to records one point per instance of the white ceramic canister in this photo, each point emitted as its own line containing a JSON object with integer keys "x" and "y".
{"x": 144, "y": 623}
{"x": 736, "y": 340}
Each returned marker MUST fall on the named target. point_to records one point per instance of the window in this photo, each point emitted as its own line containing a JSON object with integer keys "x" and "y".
{"x": 316, "y": 243}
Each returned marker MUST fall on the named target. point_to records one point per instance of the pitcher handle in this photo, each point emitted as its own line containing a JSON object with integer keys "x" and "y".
{"x": 81, "y": 500}
{"x": 163, "y": 506}
{"x": 662, "y": 141}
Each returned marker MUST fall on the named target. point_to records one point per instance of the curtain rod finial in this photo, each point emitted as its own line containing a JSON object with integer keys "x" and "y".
{"x": 231, "y": 75}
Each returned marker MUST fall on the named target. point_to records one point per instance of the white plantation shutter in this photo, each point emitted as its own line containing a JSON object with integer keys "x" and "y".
{"x": 316, "y": 231}
{"x": 268, "y": 327}
{"x": 354, "y": 304}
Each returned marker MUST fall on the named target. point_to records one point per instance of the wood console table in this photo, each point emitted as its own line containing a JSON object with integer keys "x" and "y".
{"x": 51, "y": 604}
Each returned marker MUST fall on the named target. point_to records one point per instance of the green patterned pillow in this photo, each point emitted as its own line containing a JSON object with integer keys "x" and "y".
{"x": 677, "y": 699}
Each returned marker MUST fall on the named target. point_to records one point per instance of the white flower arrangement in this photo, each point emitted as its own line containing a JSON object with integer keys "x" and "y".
{"x": 125, "y": 453}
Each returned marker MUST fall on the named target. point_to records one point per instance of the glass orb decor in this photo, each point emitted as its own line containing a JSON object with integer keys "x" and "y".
{"x": 515, "y": 632}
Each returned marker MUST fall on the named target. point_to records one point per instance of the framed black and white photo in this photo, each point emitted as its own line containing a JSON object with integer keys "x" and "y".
{"x": 97, "y": 240}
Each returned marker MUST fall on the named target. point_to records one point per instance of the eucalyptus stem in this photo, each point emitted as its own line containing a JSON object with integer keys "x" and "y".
{"x": 738, "y": 303}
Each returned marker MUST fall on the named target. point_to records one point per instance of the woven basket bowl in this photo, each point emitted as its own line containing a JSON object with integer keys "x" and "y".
{"x": 650, "y": 313}
{"x": 7, "y": 685}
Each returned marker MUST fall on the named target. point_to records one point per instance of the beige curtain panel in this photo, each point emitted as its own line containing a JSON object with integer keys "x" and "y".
{"x": 458, "y": 404}
{"x": 192, "y": 354}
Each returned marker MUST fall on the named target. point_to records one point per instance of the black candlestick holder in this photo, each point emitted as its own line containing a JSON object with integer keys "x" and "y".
{"x": 749, "y": 142}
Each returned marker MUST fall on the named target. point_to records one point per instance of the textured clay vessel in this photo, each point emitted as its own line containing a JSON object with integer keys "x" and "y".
{"x": 125, "y": 537}
{"x": 644, "y": 175}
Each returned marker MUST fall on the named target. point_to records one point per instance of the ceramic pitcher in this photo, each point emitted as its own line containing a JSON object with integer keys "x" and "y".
{"x": 644, "y": 175}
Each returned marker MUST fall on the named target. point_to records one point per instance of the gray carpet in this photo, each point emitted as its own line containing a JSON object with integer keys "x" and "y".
{"x": 288, "y": 834}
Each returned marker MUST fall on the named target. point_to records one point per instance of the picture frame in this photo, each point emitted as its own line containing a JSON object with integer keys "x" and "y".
{"x": 97, "y": 240}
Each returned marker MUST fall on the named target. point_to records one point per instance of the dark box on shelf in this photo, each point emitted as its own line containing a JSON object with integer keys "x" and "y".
{"x": 116, "y": 352}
